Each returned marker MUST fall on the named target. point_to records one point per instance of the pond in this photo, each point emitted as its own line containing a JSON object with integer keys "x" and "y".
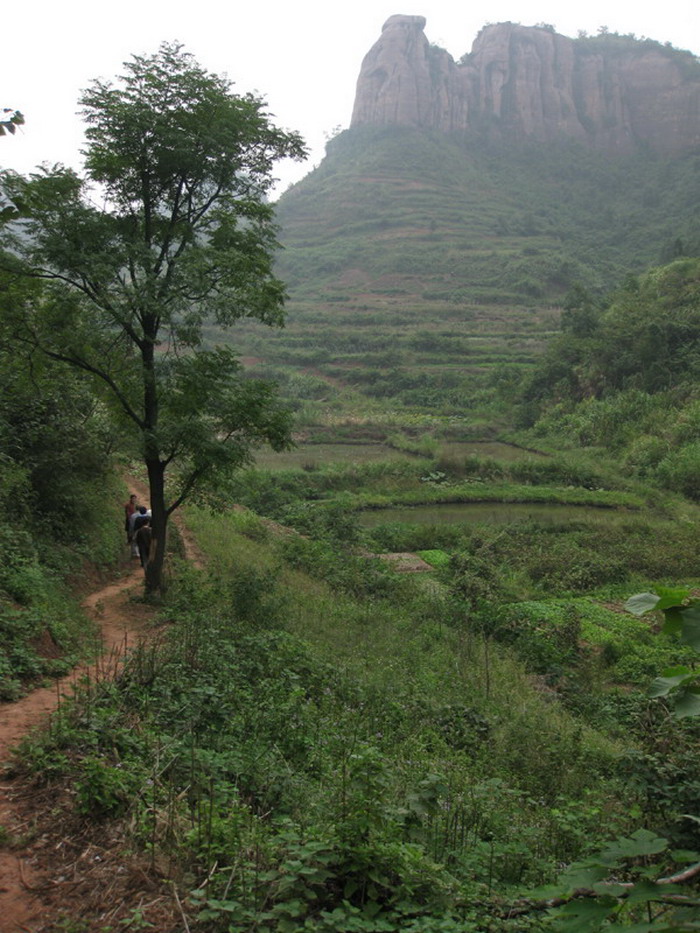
{"x": 493, "y": 513}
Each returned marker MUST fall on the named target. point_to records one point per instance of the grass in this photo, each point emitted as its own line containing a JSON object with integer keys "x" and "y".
{"x": 315, "y": 456}
{"x": 435, "y": 557}
{"x": 615, "y": 647}
{"x": 43, "y": 629}
{"x": 362, "y": 747}
{"x": 406, "y": 647}
{"x": 487, "y": 492}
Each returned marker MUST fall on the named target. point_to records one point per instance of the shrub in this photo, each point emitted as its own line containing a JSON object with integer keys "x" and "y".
{"x": 680, "y": 470}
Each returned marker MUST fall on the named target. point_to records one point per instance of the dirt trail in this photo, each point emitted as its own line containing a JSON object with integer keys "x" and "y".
{"x": 120, "y": 620}
{"x": 26, "y": 886}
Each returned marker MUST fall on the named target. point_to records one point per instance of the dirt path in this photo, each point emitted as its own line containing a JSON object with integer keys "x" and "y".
{"x": 29, "y": 875}
{"x": 120, "y": 621}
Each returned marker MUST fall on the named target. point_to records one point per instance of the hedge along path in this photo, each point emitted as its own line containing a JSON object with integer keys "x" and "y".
{"x": 25, "y": 865}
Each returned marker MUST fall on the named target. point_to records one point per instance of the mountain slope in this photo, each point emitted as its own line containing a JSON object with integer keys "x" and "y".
{"x": 420, "y": 260}
{"x": 434, "y": 217}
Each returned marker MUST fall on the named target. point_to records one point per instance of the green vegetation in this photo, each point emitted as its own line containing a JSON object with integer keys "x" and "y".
{"x": 680, "y": 609}
{"x": 427, "y": 274}
{"x": 317, "y": 740}
{"x": 10, "y": 121}
{"x": 368, "y": 753}
{"x": 472, "y": 221}
{"x": 626, "y": 381}
{"x": 57, "y": 499}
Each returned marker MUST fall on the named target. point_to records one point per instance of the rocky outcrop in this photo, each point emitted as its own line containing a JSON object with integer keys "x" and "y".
{"x": 613, "y": 92}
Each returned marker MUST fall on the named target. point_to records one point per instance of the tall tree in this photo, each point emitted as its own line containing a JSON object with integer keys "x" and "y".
{"x": 168, "y": 229}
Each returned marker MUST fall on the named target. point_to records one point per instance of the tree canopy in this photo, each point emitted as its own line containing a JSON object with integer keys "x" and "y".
{"x": 167, "y": 229}
{"x": 645, "y": 339}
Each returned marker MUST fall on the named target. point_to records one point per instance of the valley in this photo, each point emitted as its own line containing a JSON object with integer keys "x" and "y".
{"x": 389, "y": 675}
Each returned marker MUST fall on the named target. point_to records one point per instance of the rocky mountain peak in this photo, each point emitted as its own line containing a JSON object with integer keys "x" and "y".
{"x": 528, "y": 82}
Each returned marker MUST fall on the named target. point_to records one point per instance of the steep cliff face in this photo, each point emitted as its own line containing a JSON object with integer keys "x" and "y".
{"x": 529, "y": 82}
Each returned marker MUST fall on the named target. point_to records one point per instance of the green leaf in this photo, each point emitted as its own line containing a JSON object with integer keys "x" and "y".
{"x": 646, "y": 928}
{"x": 687, "y": 703}
{"x": 645, "y": 891}
{"x": 673, "y": 622}
{"x": 582, "y": 875}
{"x": 641, "y": 842}
{"x": 610, "y": 888}
{"x": 584, "y": 916}
{"x": 690, "y": 630}
{"x": 686, "y": 856}
{"x": 641, "y": 603}
{"x": 672, "y": 678}
{"x": 671, "y": 596}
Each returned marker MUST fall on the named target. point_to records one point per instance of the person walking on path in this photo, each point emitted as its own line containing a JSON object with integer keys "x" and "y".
{"x": 140, "y": 517}
{"x": 143, "y": 541}
{"x": 129, "y": 509}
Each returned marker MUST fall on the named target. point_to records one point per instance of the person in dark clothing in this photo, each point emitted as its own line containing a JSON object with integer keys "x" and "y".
{"x": 143, "y": 541}
{"x": 129, "y": 509}
{"x": 139, "y": 518}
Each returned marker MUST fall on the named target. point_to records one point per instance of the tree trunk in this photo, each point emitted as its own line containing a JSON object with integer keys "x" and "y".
{"x": 159, "y": 525}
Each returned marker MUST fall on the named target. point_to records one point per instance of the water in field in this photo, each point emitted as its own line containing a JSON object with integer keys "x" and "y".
{"x": 493, "y": 513}
{"x": 315, "y": 456}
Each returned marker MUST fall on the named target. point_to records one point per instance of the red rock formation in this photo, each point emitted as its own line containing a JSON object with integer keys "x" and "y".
{"x": 530, "y": 82}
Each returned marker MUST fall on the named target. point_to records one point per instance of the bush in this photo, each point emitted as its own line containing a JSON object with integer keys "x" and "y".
{"x": 568, "y": 567}
{"x": 680, "y": 471}
{"x": 361, "y": 577}
{"x": 645, "y": 453}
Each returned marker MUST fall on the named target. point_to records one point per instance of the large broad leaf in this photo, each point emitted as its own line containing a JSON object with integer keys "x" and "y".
{"x": 672, "y": 678}
{"x": 687, "y": 703}
{"x": 585, "y": 916}
{"x": 690, "y": 626}
{"x": 641, "y": 842}
{"x": 671, "y": 596}
{"x": 673, "y": 621}
{"x": 610, "y": 888}
{"x": 582, "y": 875}
{"x": 647, "y": 890}
{"x": 641, "y": 603}
{"x": 647, "y": 928}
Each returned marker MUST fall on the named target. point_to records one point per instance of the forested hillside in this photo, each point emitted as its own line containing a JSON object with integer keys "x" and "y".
{"x": 624, "y": 375}
{"x": 426, "y": 269}
{"x": 427, "y": 216}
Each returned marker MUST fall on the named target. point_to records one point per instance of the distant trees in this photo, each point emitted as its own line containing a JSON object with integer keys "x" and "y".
{"x": 650, "y": 335}
{"x": 580, "y": 315}
{"x": 182, "y": 235}
{"x": 648, "y": 338}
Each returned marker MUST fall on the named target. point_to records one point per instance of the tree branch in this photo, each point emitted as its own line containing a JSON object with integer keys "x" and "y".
{"x": 187, "y": 488}
{"x": 521, "y": 908}
{"x": 78, "y": 363}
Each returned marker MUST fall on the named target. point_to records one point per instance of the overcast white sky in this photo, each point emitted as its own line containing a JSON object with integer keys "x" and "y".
{"x": 303, "y": 57}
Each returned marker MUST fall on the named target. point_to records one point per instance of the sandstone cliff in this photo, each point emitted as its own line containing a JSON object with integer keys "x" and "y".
{"x": 529, "y": 82}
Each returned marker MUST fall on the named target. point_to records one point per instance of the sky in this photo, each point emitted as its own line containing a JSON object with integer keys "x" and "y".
{"x": 302, "y": 57}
